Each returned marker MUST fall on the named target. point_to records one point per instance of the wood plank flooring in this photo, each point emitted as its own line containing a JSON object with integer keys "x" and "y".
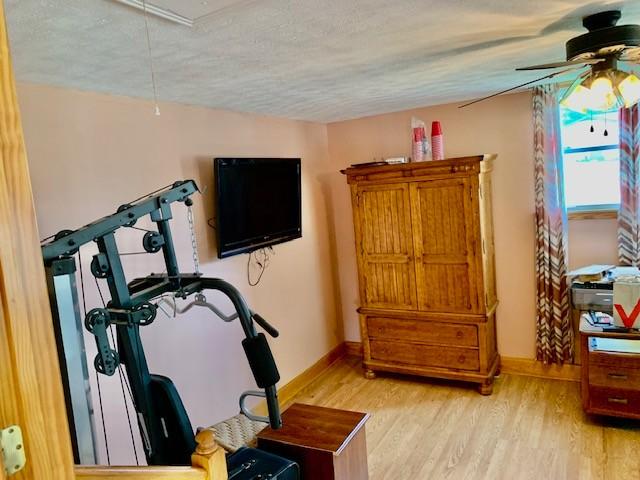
{"x": 530, "y": 428}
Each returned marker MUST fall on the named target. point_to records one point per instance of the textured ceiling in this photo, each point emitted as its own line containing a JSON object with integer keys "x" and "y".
{"x": 320, "y": 60}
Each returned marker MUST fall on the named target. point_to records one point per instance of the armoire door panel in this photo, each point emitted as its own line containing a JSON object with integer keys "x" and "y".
{"x": 386, "y": 247}
{"x": 444, "y": 239}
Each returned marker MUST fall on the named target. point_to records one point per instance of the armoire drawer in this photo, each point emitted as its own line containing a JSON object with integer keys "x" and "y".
{"x": 425, "y": 355}
{"x": 423, "y": 331}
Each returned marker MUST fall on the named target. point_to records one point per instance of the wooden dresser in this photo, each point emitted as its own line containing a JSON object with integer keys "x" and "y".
{"x": 610, "y": 371}
{"x": 425, "y": 252}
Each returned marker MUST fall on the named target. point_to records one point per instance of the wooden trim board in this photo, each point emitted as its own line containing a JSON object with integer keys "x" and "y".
{"x": 287, "y": 392}
{"x": 592, "y": 214}
{"x": 353, "y": 348}
{"x": 527, "y": 367}
{"x": 138, "y": 473}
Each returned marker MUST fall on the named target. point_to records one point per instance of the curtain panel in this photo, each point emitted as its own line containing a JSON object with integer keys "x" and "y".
{"x": 629, "y": 212}
{"x": 554, "y": 333}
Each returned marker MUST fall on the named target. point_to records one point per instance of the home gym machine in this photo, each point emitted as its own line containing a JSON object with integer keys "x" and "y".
{"x": 166, "y": 431}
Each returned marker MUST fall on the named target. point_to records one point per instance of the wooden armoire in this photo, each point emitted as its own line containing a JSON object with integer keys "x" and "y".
{"x": 425, "y": 251}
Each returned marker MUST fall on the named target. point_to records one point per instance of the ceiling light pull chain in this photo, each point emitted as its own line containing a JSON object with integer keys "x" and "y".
{"x": 592, "y": 129}
{"x": 153, "y": 74}
{"x": 606, "y": 132}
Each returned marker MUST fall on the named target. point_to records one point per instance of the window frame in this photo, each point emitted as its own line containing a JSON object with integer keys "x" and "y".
{"x": 589, "y": 212}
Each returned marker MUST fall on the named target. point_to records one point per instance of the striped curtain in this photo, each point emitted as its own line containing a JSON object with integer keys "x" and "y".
{"x": 554, "y": 334}
{"x": 629, "y": 213}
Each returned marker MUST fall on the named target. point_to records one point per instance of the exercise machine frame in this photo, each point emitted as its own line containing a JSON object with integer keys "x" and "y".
{"x": 165, "y": 429}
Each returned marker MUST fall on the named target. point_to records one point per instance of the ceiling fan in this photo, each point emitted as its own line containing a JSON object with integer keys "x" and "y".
{"x": 600, "y": 85}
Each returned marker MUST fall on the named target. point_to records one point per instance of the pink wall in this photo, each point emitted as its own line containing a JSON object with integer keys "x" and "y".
{"x": 592, "y": 241}
{"x": 503, "y": 126}
{"x": 89, "y": 153}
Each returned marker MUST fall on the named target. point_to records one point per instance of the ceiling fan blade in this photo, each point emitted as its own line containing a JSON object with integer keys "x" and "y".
{"x": 551, "y": 75}
{"x": 544, "y": 66}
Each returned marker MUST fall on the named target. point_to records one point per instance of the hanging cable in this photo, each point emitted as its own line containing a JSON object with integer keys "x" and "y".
{"x": 145, "y": 440}
{"x": 124, "y": 397}
{"x": 153, "y": 74}
{"x": 122, "y": 381}
{"x": 47, "y": 238}
{"x": 138, "y": 228}
{"x": 262, "y": 263}
{"x": 104, "y": 429}
{"x": 84, "y": 307}
{"x": 100, "y": 292}
{"x": 147, "y": 195}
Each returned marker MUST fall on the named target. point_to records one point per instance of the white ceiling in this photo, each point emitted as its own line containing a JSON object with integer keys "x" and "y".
{"x": 320, "y": 60}
{"x": 194, "y": 9}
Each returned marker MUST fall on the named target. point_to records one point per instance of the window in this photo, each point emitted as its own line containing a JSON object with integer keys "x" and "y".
{"x": 591, "y": 160}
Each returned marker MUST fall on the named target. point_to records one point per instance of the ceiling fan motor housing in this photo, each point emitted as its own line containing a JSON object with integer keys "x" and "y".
{"x": 604, "y": 37}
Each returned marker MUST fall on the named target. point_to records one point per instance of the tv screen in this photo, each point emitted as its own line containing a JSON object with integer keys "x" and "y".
{"x": 258, "y": 203}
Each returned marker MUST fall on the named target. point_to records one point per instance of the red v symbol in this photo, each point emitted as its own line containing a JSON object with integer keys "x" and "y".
{"x": 628, "y": 320}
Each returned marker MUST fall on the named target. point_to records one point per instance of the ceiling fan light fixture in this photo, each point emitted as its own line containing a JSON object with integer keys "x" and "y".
{"x": 577, "y": 97}
{"x": 603, "y": 95}
{"x": 602, "y": 90}
{"x": 629, "y": 89}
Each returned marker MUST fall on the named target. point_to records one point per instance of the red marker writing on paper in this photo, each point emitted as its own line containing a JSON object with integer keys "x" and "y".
{"x": 630, "y": 319}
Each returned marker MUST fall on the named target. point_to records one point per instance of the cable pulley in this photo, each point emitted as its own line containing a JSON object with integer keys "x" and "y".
{"x": 107, "y": 360}
{"x": 152, "y": 242}
{"x": 131, "y": 215}
{"x": 100, "y": 266}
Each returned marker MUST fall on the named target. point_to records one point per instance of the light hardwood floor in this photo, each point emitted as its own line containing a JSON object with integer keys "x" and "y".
{"x": 529, "y": 428}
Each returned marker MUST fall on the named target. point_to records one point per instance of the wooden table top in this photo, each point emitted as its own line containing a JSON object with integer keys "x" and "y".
{"x": 318, "y": 428}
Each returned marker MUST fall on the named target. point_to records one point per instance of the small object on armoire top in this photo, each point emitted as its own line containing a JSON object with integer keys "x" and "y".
{"x": 437, "y": 142}
{"x": 418, "y": 140}
{"x": 396, "y": 160}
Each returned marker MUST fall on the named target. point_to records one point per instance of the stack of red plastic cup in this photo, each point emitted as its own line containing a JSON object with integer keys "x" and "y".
{"x": 437, "y": 143}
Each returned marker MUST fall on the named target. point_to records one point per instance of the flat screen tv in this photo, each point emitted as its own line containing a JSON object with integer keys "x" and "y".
{"x": 258, "y": 203}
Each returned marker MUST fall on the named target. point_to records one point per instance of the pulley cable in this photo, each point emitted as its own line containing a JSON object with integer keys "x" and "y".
{"x": 138, "y": 228}
{"x": 121, "y": 376}
{"x": 100, "y": 293}
{"x": 84, "y": 307}
{"x": 104, "y": 428}
{"x": 147, "y": 195}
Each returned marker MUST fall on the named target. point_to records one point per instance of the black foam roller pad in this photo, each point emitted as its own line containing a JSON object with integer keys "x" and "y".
{"x": 261, "y": 361}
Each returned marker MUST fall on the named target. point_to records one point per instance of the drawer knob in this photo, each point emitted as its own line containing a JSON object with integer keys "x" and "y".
{"x": 461, "y": 359}
{"x": 459, "y": 334}
{"x": 617, "y": 376}
{"x": 622, "y": 401}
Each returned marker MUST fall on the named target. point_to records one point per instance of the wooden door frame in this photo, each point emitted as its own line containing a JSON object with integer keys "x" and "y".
{"x": 31, "y": 393}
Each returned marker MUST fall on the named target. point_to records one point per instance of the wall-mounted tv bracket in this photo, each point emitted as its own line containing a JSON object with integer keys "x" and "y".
{"x": 131, "y": 307}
